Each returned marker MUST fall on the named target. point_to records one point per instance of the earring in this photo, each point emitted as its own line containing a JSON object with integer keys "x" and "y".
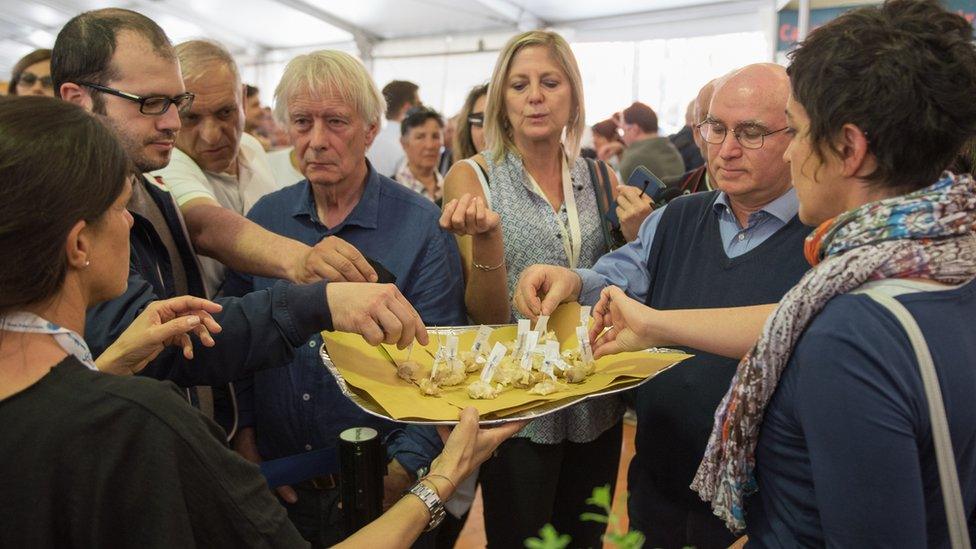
{"x": 87, "y": 263}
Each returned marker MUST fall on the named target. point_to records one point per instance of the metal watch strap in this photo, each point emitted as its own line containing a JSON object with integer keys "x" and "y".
{"x": 433, "y": 502}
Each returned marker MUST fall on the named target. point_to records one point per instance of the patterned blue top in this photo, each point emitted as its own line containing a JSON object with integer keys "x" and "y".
{"x": 531, "y": 235}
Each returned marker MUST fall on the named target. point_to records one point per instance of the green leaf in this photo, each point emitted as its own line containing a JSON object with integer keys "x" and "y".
{"x": 601, "y": 497}
{"x": 550, "y": 539}
{"x": 632, "y": 540}
{"x": 594, "y": 517}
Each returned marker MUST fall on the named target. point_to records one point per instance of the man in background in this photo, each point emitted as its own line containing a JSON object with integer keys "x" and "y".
{"x": 386, "y": 154}
{"x": 644, "y": 146}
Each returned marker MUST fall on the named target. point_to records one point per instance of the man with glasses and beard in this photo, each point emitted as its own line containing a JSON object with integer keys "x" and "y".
{"x": 120, "y": 65}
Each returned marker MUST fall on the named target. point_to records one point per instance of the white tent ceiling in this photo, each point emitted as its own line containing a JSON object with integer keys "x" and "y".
{"x": 253, "y": 29}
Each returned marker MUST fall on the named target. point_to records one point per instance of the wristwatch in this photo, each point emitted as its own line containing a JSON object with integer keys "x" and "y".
{"x": 433, "y": 502}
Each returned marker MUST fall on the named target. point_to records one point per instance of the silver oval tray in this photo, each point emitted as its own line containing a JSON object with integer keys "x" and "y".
{"x": 368, "y": 405}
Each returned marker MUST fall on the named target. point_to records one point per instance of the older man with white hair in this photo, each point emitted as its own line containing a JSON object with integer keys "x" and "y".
{"x": 217, "y": 172}
{"x": 332, "y": 110}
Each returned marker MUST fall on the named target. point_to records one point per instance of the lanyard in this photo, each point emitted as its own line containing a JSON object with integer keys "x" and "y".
{"x": 71, "y": 342}
{"x": 573, "y": 236}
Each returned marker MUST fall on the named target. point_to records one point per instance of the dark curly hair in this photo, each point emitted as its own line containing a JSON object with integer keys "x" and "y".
{"x": 904, "y": 73}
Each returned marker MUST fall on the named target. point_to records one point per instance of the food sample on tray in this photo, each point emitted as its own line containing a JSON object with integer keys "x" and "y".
{"x": 531, "y": 374}
{"x": 533, "y": 362}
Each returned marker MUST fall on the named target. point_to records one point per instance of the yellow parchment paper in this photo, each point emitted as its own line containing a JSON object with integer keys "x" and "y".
{"x": 372, "y": 370}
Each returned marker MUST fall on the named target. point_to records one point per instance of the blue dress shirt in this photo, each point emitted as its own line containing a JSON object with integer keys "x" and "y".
{"x": 626, "y": 267}
{"x": 300, "y": 408}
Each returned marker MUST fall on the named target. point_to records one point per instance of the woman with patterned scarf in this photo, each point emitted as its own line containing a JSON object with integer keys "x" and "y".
{"x": 825, "y": 437}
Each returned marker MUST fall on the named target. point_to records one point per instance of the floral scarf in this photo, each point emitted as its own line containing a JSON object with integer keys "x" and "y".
{"x": 926, "y": 234}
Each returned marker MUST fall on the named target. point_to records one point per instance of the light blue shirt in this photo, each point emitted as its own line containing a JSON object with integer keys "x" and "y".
{"x": 626, "y": 267}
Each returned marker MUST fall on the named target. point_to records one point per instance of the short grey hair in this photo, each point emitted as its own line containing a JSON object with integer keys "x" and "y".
{"x": 196, "y": 56}
{"x": 330, "y": 73}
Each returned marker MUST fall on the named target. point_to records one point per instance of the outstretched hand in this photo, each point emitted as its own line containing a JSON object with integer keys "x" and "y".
{"x": 620, "y": 324}
{"x": 468, "y": 215}
{"x": 541, "y": 288}
{"x": 378, "y": 312}
{"x": 467, "y": 446}
{"x": 167, "y": 322}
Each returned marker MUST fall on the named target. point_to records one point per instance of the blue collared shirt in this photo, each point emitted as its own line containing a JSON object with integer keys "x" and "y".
{"x": 626, "y": 267}
{"x": 300, "y": 408}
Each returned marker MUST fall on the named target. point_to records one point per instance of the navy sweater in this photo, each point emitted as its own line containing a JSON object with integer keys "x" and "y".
{"x": 690, "y": 270}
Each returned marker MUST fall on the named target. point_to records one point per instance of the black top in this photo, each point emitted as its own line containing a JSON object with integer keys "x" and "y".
{"x": 92, "y": 460}
{"x": 690, "y": 270}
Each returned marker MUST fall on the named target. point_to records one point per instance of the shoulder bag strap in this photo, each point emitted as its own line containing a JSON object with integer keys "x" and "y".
{"x": 479, "y": 170}
{"x": 948, "y": 474}
{"x": 600, "y": 180}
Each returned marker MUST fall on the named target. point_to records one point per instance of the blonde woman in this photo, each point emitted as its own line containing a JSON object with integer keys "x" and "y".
{"x": 529, "y": 198}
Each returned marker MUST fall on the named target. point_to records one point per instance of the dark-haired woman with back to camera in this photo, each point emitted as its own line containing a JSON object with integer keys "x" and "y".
{"x": 89, "y": 459}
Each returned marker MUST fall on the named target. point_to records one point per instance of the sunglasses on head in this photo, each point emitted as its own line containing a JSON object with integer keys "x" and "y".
{"x": 29, "y": 79}
{"x": 476, "y": 119}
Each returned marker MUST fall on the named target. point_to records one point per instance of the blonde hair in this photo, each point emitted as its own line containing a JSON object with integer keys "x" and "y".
{"x": 498, "y": 137}
{"x": 326, "y": 73}
{"x": 196, "y": 56}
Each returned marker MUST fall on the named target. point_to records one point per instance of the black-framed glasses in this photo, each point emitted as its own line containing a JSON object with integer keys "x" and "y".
{"x": 152, "y": 105}
{"x": 28, "y": 79}
{"x": 750, "y": 136}
{"x": 476, "y": 119}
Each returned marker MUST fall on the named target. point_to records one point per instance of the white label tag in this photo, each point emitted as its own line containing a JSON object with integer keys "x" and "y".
{"x": 542, "y": 324}
{"x": 552, "y": 349}
{"x": 552, "y": 359}
{"x": 437, "y": 362}
{"x": 523, "y": 328}
{"x": 583, "y": 337}
{"x": 530, "y": 342}
{"x": 496, "y": 356}
{"x": 585, "y": 315}
{"x": 481, "y": 340}
{"x": 452, "y": 347}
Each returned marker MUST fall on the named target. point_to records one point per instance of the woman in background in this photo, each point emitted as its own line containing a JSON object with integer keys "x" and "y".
{"x": 422, "y": 136}
{"x": 607, "y": 142}
{"x": 469, "y": 137}
{"x": 32, "y": 75}
{"x": 528, "y": 198}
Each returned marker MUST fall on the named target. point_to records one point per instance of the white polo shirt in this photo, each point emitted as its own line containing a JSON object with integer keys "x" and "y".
{"x": 386, "y": 153}
{"x": 187, "y": 181}
{"x": 284, "y": 172}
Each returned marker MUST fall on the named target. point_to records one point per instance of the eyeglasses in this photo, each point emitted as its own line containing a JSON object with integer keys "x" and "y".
{"x": 28, "y": 79}
{"x": 152, "y": 105}
{"x": 750, "y": 136}
{"x": 476, "y": 119}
